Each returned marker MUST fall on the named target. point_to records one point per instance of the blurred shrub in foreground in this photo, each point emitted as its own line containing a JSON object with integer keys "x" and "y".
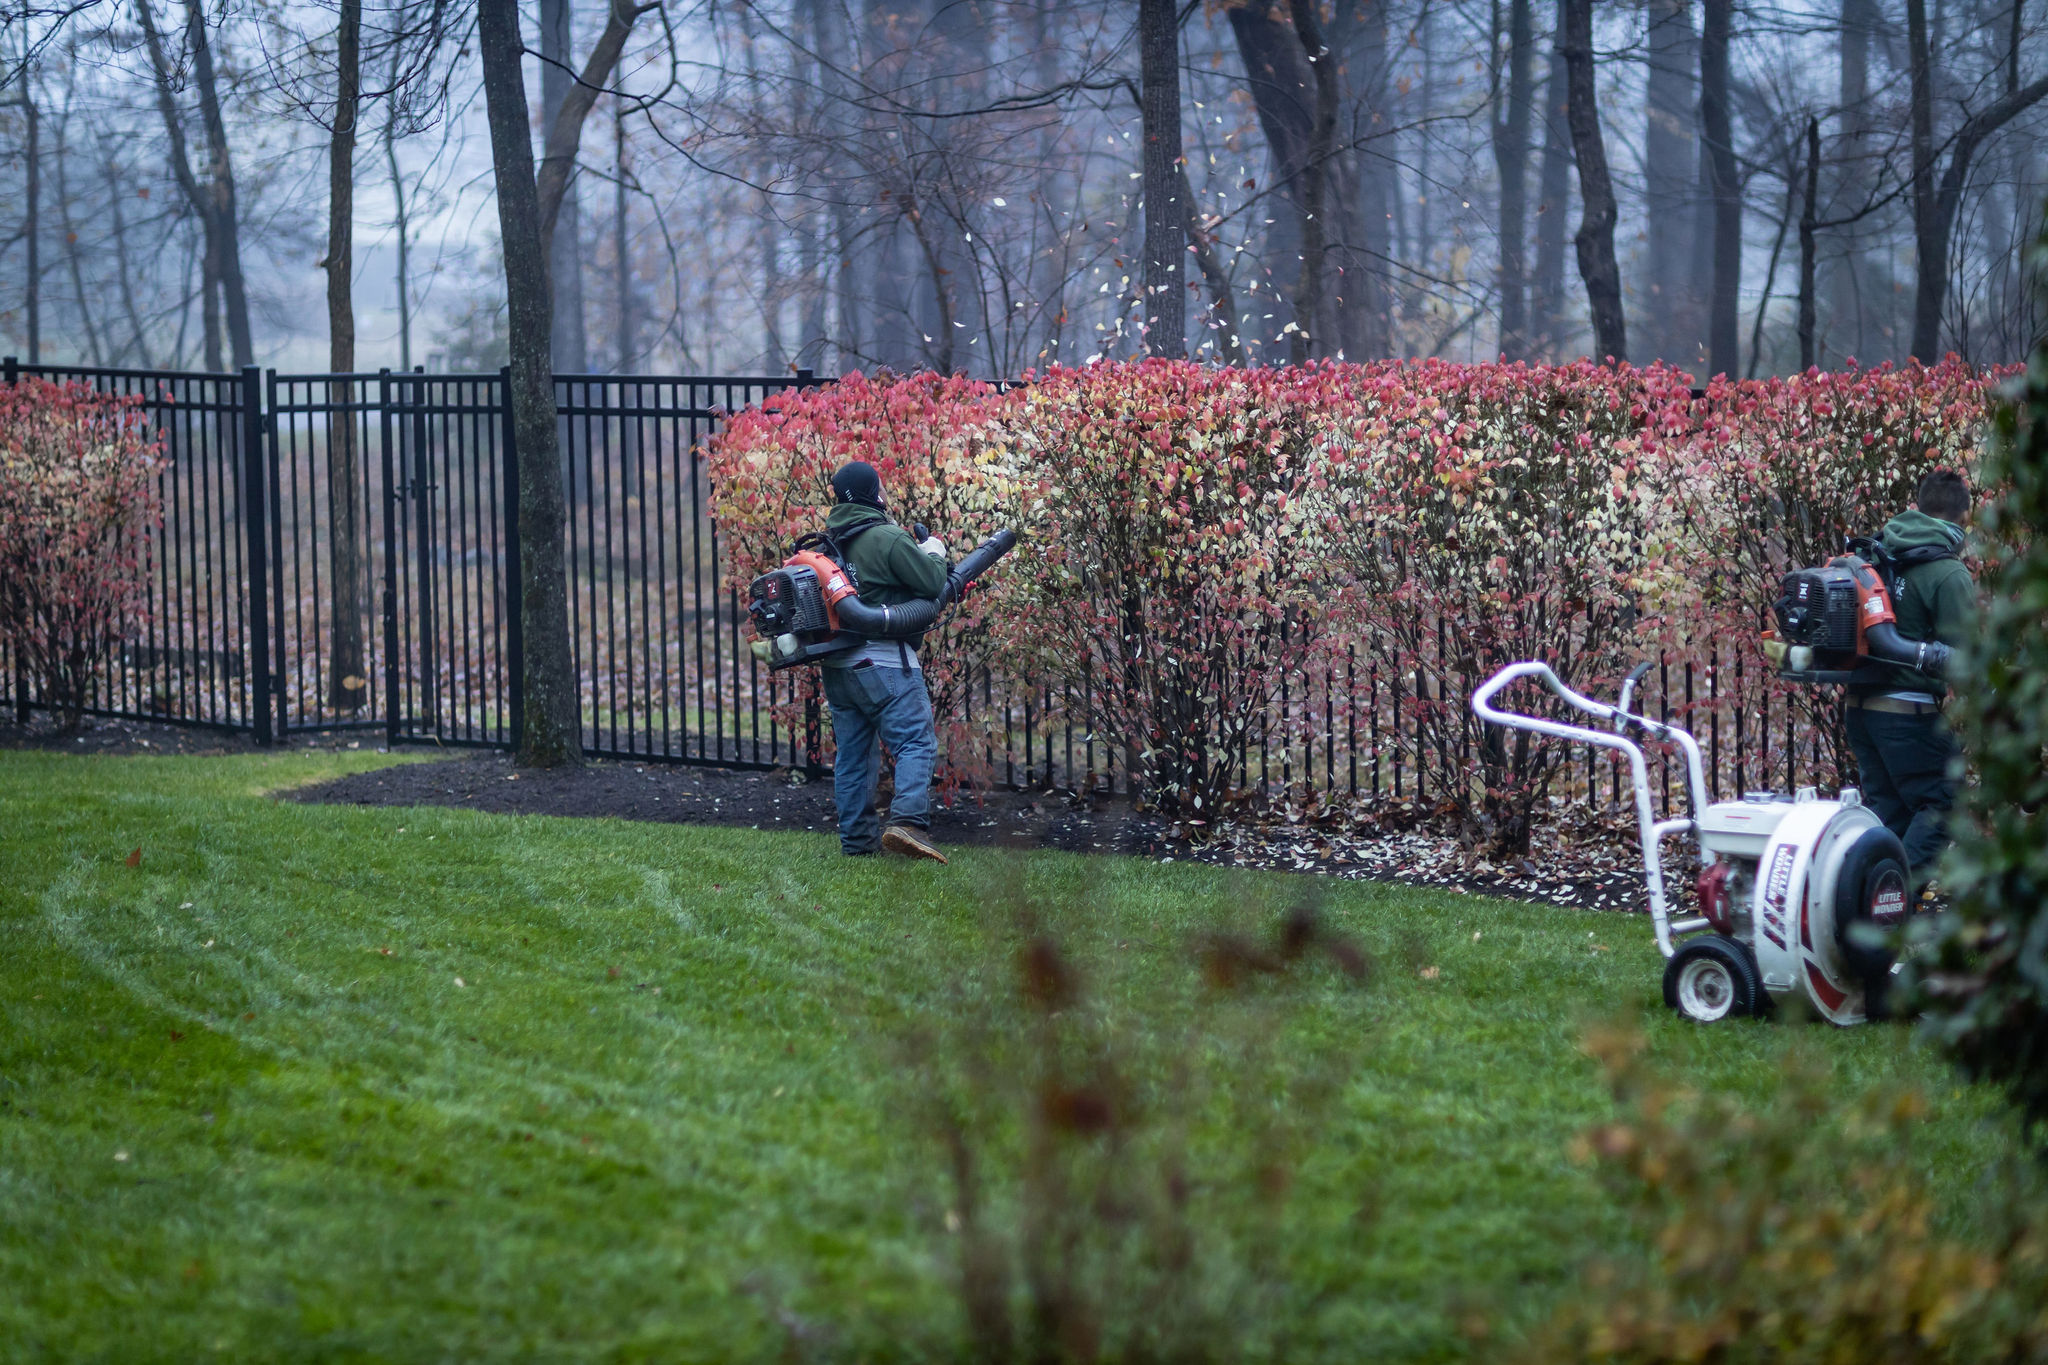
{"x": 1986, "y": 976}
{"x": 1782, "y": 1236}
{"x": 1114, "y": 1187}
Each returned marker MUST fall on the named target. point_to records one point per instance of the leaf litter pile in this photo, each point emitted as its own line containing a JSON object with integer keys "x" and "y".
{"x": 1578, "y": 856}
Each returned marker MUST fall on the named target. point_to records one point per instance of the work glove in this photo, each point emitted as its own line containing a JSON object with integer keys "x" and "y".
{"x": 934, "y": 547}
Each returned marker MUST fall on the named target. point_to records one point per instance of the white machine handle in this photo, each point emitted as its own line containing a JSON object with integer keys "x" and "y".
{"x": 1650, "y": 830}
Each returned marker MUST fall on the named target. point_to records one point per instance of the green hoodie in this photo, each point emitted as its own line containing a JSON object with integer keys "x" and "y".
{"x": 891, "y": 567}
{"x": 1937, "y": 601}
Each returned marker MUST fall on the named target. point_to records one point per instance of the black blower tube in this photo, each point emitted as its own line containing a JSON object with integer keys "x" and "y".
{"x": 1884, "y": 643}
{"x": 907, "y": 619}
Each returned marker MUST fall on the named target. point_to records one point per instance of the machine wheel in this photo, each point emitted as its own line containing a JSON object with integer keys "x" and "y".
{"x": 1870, "y": 893}
{"x": 1713, "y": 978}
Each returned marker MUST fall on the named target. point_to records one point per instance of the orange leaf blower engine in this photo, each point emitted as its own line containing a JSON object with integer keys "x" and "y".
{"x": 810, "y": 607}
{"x": 1836, "y": 623}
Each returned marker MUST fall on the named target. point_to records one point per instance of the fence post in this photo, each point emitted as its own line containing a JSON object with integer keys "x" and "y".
{"x": 814, "y": 740}
{"x": 515, "y": 635}
{"x": 424, "y": 632}
{"x": 13, "y": 373}
{"x": 393, "y": 510}
{"x": 256, "y": 525}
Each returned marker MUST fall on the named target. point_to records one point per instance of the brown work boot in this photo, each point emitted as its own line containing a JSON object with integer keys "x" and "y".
{"x": 911, "y": 843}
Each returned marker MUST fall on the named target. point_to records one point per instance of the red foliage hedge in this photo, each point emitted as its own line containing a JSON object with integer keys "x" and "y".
{"x": 1196, "y": 538}
{"x": 78, "y": 493}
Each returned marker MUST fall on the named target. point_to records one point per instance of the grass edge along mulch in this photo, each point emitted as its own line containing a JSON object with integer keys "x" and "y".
{"x": 1578, "y": 857}
{"x": 416, "y": 1083}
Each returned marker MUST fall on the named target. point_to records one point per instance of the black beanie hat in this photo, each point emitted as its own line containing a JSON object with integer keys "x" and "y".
{"x": 857, "y": 481}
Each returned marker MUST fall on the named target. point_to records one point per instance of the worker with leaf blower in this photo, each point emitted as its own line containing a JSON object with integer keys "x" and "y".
{"x": 1907, "y": 759}
{"x": 877, "y": 690}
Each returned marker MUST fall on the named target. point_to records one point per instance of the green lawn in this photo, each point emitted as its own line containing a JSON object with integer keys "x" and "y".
{"x": 336, "y": 1084}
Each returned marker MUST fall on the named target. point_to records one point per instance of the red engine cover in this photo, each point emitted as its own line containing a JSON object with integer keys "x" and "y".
{"x": 1873, "y": 603}
{"x": 1713, "y": 891}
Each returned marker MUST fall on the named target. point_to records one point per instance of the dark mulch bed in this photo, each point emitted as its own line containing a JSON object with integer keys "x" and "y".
{"x": 721, "y": 796}
{"x": 1593, "y": 868}
{"x": 102, "y": 736}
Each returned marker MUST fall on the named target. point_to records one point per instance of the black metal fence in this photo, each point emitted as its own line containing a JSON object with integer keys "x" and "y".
{"x": 342, "y": 551}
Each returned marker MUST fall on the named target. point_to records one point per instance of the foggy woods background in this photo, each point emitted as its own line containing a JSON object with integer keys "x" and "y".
{"x": 959, "y": 184}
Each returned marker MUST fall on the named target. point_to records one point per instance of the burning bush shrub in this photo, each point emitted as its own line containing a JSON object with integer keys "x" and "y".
{"x": 1493, "y": 513}
{"x": 78, "y": 498}
{"x": 1173, "y": 558}
{"x": 1198, "y": 539}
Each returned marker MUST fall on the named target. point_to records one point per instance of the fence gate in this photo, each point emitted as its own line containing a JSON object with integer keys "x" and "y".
{"x": 448, "y": 541}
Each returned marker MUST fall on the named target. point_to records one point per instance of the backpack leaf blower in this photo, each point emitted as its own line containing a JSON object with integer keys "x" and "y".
{"x": 810, "y": 607}
{"x": 1797, "y": 895}
{"x": 1836, "y": 624}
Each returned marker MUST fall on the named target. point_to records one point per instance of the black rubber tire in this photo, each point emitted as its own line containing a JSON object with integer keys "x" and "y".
{"x": 1874, "y": 866}
{"x": 1714, "y": 978}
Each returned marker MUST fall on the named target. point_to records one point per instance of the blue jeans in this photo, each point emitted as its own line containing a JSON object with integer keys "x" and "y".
{"x": 875, "y": 703}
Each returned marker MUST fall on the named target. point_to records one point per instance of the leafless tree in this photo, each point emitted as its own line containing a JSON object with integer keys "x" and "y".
{"x": 529, "y": 202}
{"x": 1595, "y": 240}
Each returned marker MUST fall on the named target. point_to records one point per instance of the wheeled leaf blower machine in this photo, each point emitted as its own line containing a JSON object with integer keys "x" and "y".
{"x": 1797, "y": 895}
{"x": 810, "y": 607}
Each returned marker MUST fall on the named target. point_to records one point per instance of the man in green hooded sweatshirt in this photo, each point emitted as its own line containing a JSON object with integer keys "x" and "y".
{"x": 1907, "y": 760}
{"x": 877, "y": 692}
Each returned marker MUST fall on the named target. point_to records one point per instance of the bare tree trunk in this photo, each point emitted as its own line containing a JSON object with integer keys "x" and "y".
{"x": 196, "y": 196}
{"x": 1932, "y": 271}
{"x": 1222, "y": 299}
{"x": 347, "y": 683}
{"x": 812, "y": 232}
{"x": 1808, "y": 230}
{"x": 1595, "y": 238}
{"x": 403, "y": 225}
{"x": 1372, "y": 291}
{"x": 570, "y": 342}
{"x": 71, "y": 253}
{"x": 942, "y": 289}
{"x": 1166, "y": 222}
{"x": 1724, "y": 347}
{"x": 1316, "y": 176}
{"x": 1282, "y": 89}
{"x": 769, "y": 236}
{"x": 552, "y": 731}
{"x": 628, "y": 348}
{"x": 834, "y": 43}
{"x": 768, "y": 230}
{"x": 221, "y": 188}
{"x": 1674, "y": 330}
{"x": 1763, "y": 307}
{"x": 1553, "y": 208}
{"x": 1849, "y": 276}
{"x": 32, "y": 228}
{"x": 627, "y": 345}
{"x": 134, "y": 315}
{"x": 1934, "y": 208}
{"x": 1511, "y": 159}
{"x": 209, "y": 306}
